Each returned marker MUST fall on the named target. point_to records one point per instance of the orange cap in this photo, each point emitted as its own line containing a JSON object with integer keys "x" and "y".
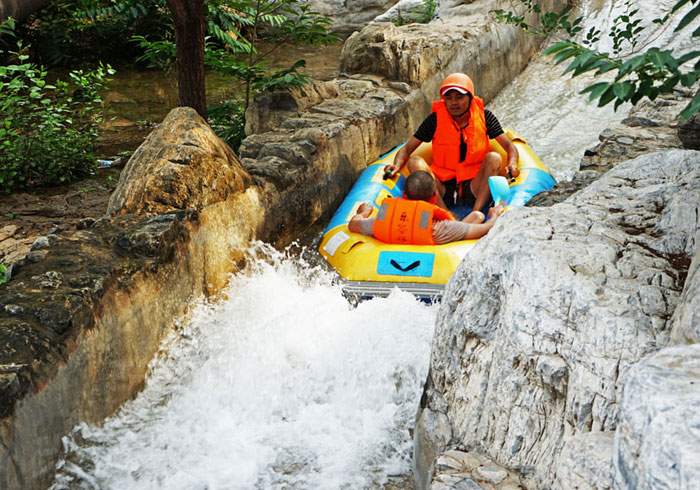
{"x": 459, "y": 82}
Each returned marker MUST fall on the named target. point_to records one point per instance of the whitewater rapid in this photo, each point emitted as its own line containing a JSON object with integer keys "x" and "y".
{"x": 279, "y": 383}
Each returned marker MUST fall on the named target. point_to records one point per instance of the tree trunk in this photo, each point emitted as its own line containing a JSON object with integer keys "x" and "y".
{"x": 19, "y": 9}
{"x": 188, "y": 17}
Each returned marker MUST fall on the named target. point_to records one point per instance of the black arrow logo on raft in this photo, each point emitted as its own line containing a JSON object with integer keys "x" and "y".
{"x": 406, "y": 269}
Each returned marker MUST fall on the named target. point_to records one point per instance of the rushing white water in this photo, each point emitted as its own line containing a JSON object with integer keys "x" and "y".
{"x": 282, "y": 384}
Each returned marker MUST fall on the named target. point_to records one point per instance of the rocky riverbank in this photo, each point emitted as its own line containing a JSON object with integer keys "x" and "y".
{"x": 86, "y": 309}
{"x": 560, "y": 352}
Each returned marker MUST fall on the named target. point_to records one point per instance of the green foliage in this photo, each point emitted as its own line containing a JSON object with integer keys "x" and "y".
{"x": 418, "y": 15}
{"x": 283, "y": 22}
{"x": 7, "y": 31}
{"x": 159, "y": 55}
{"x": 47, "y": 132}
{"x": 7, "y": 27}
{"x": 647, "y": 74}
{"x": 234, "y": 30}
{"x": 549, "y": 21}
{"x": 3, "y": 274}
{"x": 69, "y": 32}
{"x": 282, "y": 79}
{"x": 228, "y": 121}
{"x": 68, "y": 29}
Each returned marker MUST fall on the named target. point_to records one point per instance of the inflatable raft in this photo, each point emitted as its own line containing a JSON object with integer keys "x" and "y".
{"x": 369, "y": 267}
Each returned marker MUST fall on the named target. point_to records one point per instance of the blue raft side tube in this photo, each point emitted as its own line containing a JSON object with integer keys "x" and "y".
{"x": 536, "y": 182}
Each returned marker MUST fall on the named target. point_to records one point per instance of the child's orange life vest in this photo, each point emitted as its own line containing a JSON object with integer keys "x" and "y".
{"x": 407, "y": 221}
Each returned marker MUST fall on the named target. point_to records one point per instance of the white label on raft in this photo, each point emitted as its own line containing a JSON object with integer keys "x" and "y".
{"x": 334, "y": 243}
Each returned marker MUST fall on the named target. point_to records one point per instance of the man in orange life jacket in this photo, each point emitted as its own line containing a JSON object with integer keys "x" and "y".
{"x": 416, "y": 220}
{"x": 460, "y": 129}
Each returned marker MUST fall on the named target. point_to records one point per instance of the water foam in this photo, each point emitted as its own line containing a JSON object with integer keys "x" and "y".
{"x": 282, "y": 384}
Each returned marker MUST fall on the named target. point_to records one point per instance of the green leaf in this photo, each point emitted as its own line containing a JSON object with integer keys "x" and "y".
{"x": 622, "y": 90}
{"x": 607, "y": 96}
{"x": 631, "y": 65}
{"x": 657, "y": 58}
{"x": 689, "y": 17}
{"x": 689, "y": 79}
{"x": 687, "y": 57}
{"x": 556, "y": 47}
{"x": 579, "y": 63}
{"x": 596, "y": 90}
{"x": 678, "y": 5}
{"x": 692, "y": 108}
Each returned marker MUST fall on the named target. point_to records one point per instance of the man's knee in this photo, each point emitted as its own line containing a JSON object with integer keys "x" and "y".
{"x": 416, "y": 163}
{"x": 492, "y": 163}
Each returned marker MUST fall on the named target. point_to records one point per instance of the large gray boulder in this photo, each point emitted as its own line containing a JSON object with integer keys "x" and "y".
{"x": 657, "y": 442}
{"x": 546, "y": 315}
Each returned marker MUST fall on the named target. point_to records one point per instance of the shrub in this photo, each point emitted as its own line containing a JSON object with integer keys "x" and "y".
{"x": 422, "y": 14}
{"x": 228, "y": 122}
{"x": 47, "y": 132}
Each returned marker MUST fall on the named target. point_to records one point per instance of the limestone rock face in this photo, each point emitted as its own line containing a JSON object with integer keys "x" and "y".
{"x": 547, "y": 313}
{"x": 657, "y": 440}
{"x": 398, "y": 54}
{"x": 586, "y": 461}
{"x": 650, "y": 126}
{"x": 401, "y": 11}
{"x": 269, "y": 111}
{"x": 181, "y": 165}
{"x": 462, "y": 38}
{"x": 350, "y": 16}
{"x": 686, "y": 318}
{"x": 458, "y": 470}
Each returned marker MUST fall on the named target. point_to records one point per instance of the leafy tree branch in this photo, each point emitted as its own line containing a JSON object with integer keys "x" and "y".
{"x": 640, "y": 73}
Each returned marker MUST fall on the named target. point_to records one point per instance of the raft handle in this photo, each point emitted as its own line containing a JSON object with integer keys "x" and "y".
{"x": 407, "y": 268}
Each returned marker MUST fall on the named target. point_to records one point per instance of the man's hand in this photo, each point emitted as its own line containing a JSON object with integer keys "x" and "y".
{"x": 391, "y": 170}
{"x": 513, "y": 171}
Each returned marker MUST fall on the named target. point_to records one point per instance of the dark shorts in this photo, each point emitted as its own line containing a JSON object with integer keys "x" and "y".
{"x": 454, "y": 198}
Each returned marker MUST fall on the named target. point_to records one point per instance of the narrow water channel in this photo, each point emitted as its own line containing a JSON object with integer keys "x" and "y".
{"x": 280, "y": 383}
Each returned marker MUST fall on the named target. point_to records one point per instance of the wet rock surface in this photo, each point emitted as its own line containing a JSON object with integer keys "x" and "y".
{"x": 519, "y": 372}
{"x": 50, "y": 302}
{"x": 650, "y": 126}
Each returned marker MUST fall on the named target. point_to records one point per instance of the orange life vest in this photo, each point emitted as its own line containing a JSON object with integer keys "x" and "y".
{"x": 407, "y": 221}
{"x": 446, "y": 164}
